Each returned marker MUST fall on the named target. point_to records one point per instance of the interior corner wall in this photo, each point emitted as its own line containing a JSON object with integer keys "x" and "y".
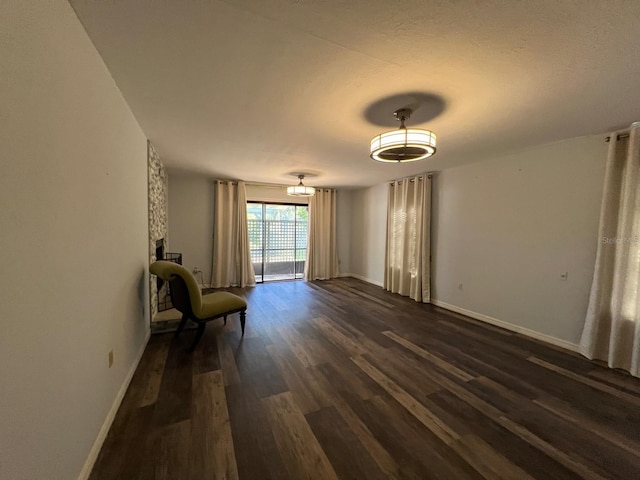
{"x": 73, "y": 216}
{"x": 505, "y": 230}
{"x": 191, "y": 211}
{"x": 344, "y": 200}
{"x": 368, "y": 233}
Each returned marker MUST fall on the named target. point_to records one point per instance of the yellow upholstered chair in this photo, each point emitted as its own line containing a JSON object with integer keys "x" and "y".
{"x": 188, "y": 299}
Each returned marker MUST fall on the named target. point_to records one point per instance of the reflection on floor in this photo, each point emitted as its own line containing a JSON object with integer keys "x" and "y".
{"x": 277, "y": 277}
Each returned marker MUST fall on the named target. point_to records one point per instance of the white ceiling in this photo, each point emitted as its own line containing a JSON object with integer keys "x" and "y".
{"x": 257, "y": 89}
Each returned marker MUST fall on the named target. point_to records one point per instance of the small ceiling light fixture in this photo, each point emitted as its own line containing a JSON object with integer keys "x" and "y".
{"x": 301, "y": 190}
{"x": 404, "y": 144}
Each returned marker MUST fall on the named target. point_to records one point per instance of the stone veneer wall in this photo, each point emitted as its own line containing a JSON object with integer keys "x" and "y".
{"x": 158, "y": 187}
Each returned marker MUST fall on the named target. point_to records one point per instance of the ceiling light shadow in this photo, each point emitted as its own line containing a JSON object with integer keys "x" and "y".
{"x": 425, "y": 106}
{"x": 306, "y": 173}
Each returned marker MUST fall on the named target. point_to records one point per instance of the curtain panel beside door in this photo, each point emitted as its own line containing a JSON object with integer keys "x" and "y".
{"x": 408, "y": 252}
{"x": 231, "y": 264}
{"x": 322, "y": 247}
{"x": 612, "y": 327}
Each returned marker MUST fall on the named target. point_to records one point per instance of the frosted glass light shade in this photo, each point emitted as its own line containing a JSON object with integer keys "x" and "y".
{"x": 403, "y": 145}
{"x": 301, "y": 191}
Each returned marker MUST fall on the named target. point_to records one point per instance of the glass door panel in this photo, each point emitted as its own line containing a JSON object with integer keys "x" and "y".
{"x": 256, "y": 235}
{"x": 278, "y": 240}
{"x": 302, "y": 225}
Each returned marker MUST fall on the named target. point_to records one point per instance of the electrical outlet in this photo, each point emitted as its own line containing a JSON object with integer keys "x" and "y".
{"x": 110, "y": 358}
{"x": 196, "y": 270}
{"x": 459, "y": 286}
{"x": 564, "y": 276}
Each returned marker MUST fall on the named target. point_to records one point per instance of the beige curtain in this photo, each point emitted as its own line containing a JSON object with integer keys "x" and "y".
{"x": 231, "y": 255}
{"x": 408, "y": 254}
{"x": 322, "y": 249}
{"x": 612, "y": 326}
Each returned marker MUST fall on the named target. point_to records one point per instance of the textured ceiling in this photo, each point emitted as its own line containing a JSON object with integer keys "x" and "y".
{"x": 256, "y": 89}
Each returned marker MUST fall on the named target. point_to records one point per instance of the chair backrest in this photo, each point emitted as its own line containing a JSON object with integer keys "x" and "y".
{"x": 183, "y": 284}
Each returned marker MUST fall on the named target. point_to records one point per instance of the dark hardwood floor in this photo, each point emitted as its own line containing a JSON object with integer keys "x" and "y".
{"x": 340, "y": 379}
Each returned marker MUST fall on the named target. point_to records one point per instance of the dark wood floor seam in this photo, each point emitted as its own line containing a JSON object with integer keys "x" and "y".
{"x": 340, "y": 379}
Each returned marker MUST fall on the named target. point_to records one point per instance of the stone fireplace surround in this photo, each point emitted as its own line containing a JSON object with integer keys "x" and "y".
{"x": 158, "y": 183}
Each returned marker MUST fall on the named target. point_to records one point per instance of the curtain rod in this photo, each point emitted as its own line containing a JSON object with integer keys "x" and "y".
{"x": 268, "y": 185}
{"x": 251, "y": 184}
{"x": 276, "y": 185}
{"x": 618, "y": 137}
{"x": 412, "y": 179}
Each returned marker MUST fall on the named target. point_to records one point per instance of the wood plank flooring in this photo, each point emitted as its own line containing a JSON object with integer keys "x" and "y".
{"x": 342, "y": 380}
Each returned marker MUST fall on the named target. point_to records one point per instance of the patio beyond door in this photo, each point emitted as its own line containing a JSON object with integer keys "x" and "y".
{"x": 278, "y": 240}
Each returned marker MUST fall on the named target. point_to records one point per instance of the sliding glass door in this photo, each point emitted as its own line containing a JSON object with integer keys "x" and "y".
{"x": 278, "y": 240}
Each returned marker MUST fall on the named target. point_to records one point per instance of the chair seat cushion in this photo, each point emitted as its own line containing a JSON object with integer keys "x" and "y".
{"x": 219, "y": 303}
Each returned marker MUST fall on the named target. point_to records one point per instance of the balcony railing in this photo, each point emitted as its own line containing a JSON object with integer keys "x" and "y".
{"x": 278, "y": 248}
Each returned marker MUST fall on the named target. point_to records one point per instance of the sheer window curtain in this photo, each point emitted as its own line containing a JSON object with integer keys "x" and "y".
{"x": 231, "y": 265}
{"x": 612, "y": 326}
{"x": 322, "y": 246}
{"x": 408, "y": 253}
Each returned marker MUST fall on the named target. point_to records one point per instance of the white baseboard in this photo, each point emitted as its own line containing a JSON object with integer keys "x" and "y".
{"x": 104, "y": 430}
{"x": 364, "y": 279}
{"x": 558, "y": 342}
{"x": 510, "y": 326}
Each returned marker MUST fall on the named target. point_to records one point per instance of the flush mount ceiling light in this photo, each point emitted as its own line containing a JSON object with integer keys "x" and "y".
{"x": 301, "y": 190}
{"x": 404, "y": 144}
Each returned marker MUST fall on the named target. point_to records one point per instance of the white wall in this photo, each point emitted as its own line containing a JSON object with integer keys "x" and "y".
{"x": 191, "y": 221}
{"x": 272, "y": 193}
{"x": 73, "y": 216}
{"x": 506, "y": 229}
{"x": 368, "y": 233}
{"x": 191, "y": 206}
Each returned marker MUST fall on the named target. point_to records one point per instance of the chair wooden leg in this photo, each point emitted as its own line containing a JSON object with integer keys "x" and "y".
{"x": 183, "y": 322}
{"x": 243, "y": 314}
{"x": 199, "y": 332}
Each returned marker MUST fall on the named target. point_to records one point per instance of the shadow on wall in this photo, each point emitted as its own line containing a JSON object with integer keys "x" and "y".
{"x": 143, "y": 292}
